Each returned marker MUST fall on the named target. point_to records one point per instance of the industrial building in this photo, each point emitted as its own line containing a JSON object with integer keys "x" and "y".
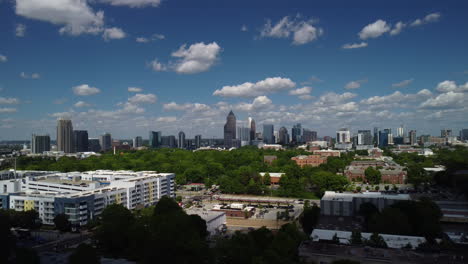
{"x": 83, "y": 195}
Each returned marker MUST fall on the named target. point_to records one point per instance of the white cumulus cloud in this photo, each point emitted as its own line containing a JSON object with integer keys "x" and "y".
{"x": 445, "y": 100}
{"x": 301, "y": 91}
{"x": 397, "y": 28}
{"x": 7, "y": 110}
{"x": 198, "y": 57}
{"x": 135, "y": 89}
{"x": 355, "y": 45}
{"x": 166, "y": 119}
{"x": 84, "y": 90}
{"x": 3, "y": 58}
{"x": 451, "y": 86}
{"x": 354, "y": 84}
{"x": 302, "y": 31}
{"x": 142, "y": 99}
{"x": 374, "y": 30}
{"x": 403, "y": 83}
{"x": 433, "y": 17}
{"x": 260, "y": 102}
{"x": 248, "y": 89}
{"x": 113, "y": 33}
{"x": 80, "y": 104}
{"x": 6, "y": 100}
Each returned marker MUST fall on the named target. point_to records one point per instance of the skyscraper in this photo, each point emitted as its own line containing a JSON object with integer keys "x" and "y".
{"x": 376, "y": 136}
{"x": 268, "y": 136}
{"x": 308, "y": 135}
{"x": 383, "y": 138}
{"x": 155, "y": 139}
{"x": 400, "y": 131}
{"x": 137, "y": 142}
{"x": 243, "y": 134}
{"x": 230, "y": 130}
{"x": 94, "y": 145}
{"x": 197, "y": 141}
{"x": 105, "y": 141}
{"x": 283, "y": 136}
{"x": 364, "y": 137}
{"x": 65, "y": 135}
{"x": 168, "y": 141}
{"x": 40, "y": 143}
{"x": 445, "y": 133}
{"x": 412, "y": 137}
{"x": 464, "y": 134}
{"x": 296, "y": 133}
{"x": 80, "y": 140}
{"x": 181, "y": 141}
{"x": 343, "y": 136}
{"x": 251, "y": 125}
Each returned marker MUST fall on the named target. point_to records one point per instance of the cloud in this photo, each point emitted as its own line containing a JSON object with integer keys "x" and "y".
{"x": 305, "y": 97}
{"x": 260, "y": 102}
{"x": 154, "y": 37}
{"x": 199, "y": 57}
{"x": 434, "y": 17}
{"x": 196, "y": 107}
{"x": 113, "y": 33}
{"x": 133, "y": 3}
{"x": 397, "y": 98}
{"x": 20, "y": 30}
{"x": 374, "y": 30}
{"x": 157, "y": 66}
{"x": 135, "y": 89}
{"x": 75, "y": 16}
{"x": 302, "y": 31}
{"x": 7, "y": 110}
{"x": 301, "y": 91}
{"x": 84, "y": 90}
{"x": 354, "y": 84}
{"x": 445, "y": 100}
{"x": 32, "y": 76}
{"x": 244, "y": 28}
{"x": 248, "y": 89}
{"x": 355, "y": 45}
{"x": 166, "y": 119}
{"x": 142, "y": 99}
{"x": 81, "y": 104}
{"x": 451, "y": 86}
{"x": 403, "y": 83}
{"x": 5, "y": 100}
{"x": 397, "y": 28}
{"x": 3, "y": 58}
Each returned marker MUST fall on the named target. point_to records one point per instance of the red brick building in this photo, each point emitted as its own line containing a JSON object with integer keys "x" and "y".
{"x": 310, "y": 160}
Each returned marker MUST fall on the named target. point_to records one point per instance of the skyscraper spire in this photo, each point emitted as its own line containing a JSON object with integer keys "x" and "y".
{"x": 230, "y": 130}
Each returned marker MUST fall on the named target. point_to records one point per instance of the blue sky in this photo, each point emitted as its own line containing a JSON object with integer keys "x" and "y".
{"x": 325, "y": 64}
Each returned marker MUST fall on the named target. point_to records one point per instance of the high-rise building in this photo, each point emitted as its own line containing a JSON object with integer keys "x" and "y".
{"x": 198, "y": 140}
{"x": 243, "y": 134}
{"x": 464, "y": 134}
{"x": 308, "y": 135}
{"x": 445, "y": 133}
{"x": 383, "y": 138}
{"x": 268, "y": 136}
{"x": 343, "y": 136}
{"x": 105, "y": 141}
{"x": 376, "y": 136}
{"x": 412, "y": 137}
{"x": 168, "y": 141}
{"x": 94, "y": 145}
{"x": 296, "y": 133}
{"x": 389, "y": 136}
{"x": 251, "y": 125}
{"x": 137, "y": 142}
{"x": 80, "y": 140}
{"x": 40, "y": 143}
{"x": 155, "y": 138}
{"x": 65, "y": 135}
{"x": 400, "y": 131}
{"x": 283, "y": 136}
{"x": 364, "y": 137}
{"x": 181, "y": 141}
{"x": 230, "y": 130}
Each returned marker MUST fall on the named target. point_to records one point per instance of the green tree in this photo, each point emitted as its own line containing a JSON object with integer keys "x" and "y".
{"x": 372, "y": 175}
{"x": 266, "y": 179}
{"x": 84, "y": 253}
{"x": 62, "y": 223}
{"x": 377, "y": 241}
{"x": 335, "y": 239}
{"x": 309, "y": 218}
{"x": 356, "y": 238}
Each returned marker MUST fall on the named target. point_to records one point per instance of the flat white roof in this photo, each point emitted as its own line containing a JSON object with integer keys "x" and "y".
{"x": 330, "y": 195}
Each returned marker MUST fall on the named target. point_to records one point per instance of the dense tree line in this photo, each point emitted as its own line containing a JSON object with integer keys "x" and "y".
{"x": 235, "y": 171}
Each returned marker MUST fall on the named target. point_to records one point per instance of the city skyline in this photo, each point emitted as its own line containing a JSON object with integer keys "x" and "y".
{"x": 139, "y": 68}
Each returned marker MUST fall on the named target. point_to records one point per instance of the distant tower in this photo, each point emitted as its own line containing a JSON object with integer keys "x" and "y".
{"x": 400, "y": 131}
{"x": 252, "y": 127}
{"x": 198, "y": 141}
{"x": 296, "y": 133}
{"x": 181, "y": 142}
{"x": 268, "y": 135}
{"x": 137, "y": 142}
{"x": 105, "y": 141}
{"x": 283, "y": 136}
{"x": 412, "y": 137}
{"x": 230, "y": 130}
{"x": 343, "y": 136}
{"x": 80, "y": 140}
{"x": 65, "y": 135}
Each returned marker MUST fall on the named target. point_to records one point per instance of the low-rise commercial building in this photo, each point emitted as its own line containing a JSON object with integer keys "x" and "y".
{"x": 327, "y": 153}
{"x": 348, "y": 204}
{"x": 391, "y": 172}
